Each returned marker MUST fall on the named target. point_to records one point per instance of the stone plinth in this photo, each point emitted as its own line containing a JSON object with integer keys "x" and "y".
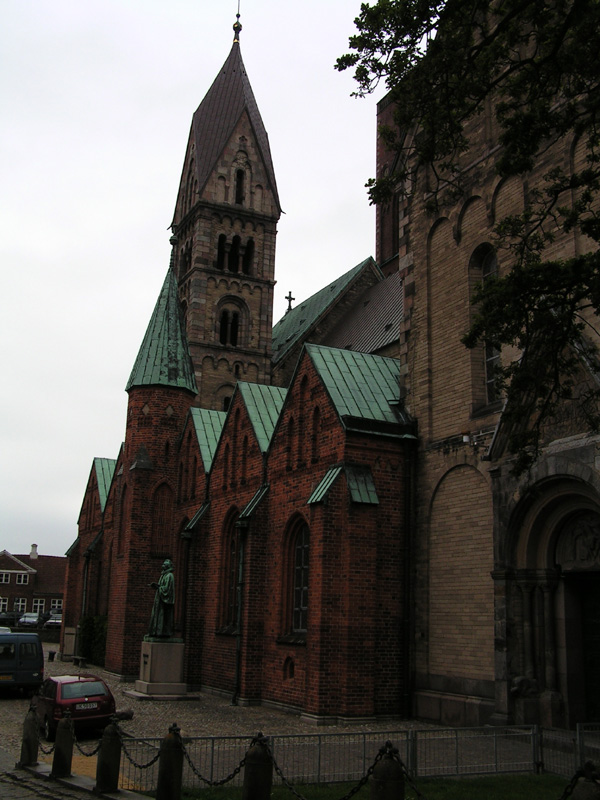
{"x": 161, "y": 669}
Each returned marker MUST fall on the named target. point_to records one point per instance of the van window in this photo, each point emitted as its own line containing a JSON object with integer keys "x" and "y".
{"x": 8, "y": 651}
{"x": 28, "y": 650}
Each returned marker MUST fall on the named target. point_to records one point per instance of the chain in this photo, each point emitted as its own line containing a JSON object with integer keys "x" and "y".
{"x": 83, "y": 752}
{"x": 588, "y": 771}
{"x": 129, "y": 757}
{"x": 207, "y": 781}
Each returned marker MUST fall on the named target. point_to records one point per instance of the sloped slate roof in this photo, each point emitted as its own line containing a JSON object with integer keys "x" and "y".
{"x": 263, "y": 404}
{"x": 105, "y": 469}
{"x": 362, "y": 387}
{"x": 374, "y": 321}
{"x": 208, "y": 425}
{"x": 297, "y": 322}
{"x": 164, "y": 357}
{"x": 360, "y": 484}
{"x": 217, "y": 115}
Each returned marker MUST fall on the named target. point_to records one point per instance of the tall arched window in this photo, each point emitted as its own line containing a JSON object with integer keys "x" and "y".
{"x": 300, "y": 580}
{"x": 162, "y": 520}
{"x": 240, "y": 176}
{"x": 248, "y": 257}
{"x": 315, "y": 434}
{"x": 229, "y": 327}
{"x": 484, "y": 268}
{"x": 234, "y": 255}
{"x": 221, "y": 251}
{"x": 231, "y": 575}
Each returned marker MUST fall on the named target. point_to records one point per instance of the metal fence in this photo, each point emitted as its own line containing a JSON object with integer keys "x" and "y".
{"x": 337, "y": 757}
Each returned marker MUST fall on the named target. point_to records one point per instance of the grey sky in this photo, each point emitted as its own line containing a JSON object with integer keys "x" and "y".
{"x": 97, "y": 99}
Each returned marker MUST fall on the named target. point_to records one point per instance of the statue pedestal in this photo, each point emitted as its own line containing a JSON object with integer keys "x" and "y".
{"x": 161, "y": 669}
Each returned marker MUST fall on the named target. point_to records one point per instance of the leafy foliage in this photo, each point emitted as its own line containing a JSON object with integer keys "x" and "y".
{"x": 534, "y": 62}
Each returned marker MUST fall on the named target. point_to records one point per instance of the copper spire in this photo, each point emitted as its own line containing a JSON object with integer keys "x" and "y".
{"x": 237, "y": 26}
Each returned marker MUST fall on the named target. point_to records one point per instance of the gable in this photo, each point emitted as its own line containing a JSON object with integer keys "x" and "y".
{"x": 208, "y": 425}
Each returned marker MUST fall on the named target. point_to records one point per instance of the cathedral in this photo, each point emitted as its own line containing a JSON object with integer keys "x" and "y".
{"x": 334, "y": 490}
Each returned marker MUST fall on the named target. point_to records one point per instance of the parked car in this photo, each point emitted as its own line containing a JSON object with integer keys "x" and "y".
{"x": 4, "y": 629}
{"x": 53, "y": 621}
{"x": 21, "y": 661}
{"x": 10, "y": 618}
{"x": 30, "y": 619}
{"x": 87, "y": 697}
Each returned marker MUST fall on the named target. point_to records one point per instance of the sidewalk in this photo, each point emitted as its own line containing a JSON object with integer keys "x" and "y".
{"x": 33, "y": 783}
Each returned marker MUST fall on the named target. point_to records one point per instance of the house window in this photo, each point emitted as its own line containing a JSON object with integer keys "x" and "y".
{"x": 22, "y": 578}
{"x": 20, "y": 604}
{"x": 4, "y": 577}
{"x": 300, "y": 582}
{"x": 38, "y": 606}
{"x": 3, "y": 603}
{"x": 57, "y": 604}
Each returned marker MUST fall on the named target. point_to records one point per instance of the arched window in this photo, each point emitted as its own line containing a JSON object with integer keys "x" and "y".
{"x": 239, "y": 186}
{"x": 248, "y": 257}
{"x": 221, "y": 251}
{"x": 300, "y": 580}
{"x": 123, "y": 519}
{"x": 234, "y": 255}
{"x": 162, "y": 520}
{"x": 229, "y": 327}
{"x": 315, "y": 434}
{"x": 290, "y": 444}
{"x": 301, "y": 417}
{"x": 231, "y": 576}
{"x": 484, "y": 268}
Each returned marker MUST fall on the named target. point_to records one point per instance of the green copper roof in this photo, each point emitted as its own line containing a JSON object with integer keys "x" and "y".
{"x": 360, "y": 484}
{"x": 263, "y": 404}
{"x": 300, "y": 319}
{"x": 105, "y": 469}
{"x": 208, "y": 425}
{"x": 164, "y": 357}
{"x": 364, "y": 388}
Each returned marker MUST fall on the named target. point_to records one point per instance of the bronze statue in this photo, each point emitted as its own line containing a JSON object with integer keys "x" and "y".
{"x": 161, "y": 620}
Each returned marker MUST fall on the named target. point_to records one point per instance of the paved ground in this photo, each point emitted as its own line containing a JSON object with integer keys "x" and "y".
{"x": 204, "y": 715}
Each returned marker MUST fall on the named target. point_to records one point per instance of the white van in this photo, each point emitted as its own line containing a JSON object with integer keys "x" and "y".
{"x": 21, "y": 661}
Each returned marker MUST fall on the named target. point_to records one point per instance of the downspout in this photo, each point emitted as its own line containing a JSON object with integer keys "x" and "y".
{"x": 409, "y": 559}
{"x": 242, "y": 531}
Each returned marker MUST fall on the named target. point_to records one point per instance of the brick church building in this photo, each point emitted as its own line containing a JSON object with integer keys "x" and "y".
{"x": 334, "y": 490}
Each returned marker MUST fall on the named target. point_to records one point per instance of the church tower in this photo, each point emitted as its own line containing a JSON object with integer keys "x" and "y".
{"x": 226, "y": 222}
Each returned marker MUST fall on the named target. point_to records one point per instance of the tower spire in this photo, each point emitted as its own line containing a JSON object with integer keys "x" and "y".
{"x": 237, "y": 26}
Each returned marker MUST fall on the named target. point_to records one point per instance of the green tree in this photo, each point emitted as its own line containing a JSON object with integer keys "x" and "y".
{"x": 535, "y": 62}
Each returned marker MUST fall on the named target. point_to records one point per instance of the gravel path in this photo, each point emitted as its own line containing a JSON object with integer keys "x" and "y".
{"x": 204, "y": 715}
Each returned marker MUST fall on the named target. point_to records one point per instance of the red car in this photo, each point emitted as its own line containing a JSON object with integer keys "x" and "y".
{"x": 87, "y": 697}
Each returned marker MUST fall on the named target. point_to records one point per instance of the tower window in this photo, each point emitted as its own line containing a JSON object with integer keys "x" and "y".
{"x": 239, "y": 186}
{"x": 221, "y": 252}
{"x": 248, "y": 257}
{"x": 229, "y": 327}
{"x": 234, "y": 255}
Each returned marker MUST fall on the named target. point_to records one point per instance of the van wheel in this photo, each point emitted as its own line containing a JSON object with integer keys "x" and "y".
{"x": 49, "y": 732}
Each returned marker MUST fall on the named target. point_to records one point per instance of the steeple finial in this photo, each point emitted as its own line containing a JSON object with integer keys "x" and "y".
{"x": 237, "y": 26}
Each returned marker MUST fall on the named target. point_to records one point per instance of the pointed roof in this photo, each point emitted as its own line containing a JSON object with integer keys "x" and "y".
{"x": 164, "y": 357}
{"x": 208, "y": 425}
{"x": 298, "y": 322}
{"x": 217, "y": 115}
{"x": 105, "y": 469}
{"x": 263, "y": 404}
{"x": 364, "y": 389}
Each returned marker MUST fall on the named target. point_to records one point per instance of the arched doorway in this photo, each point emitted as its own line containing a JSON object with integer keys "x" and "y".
{"x": 555, "y": 604}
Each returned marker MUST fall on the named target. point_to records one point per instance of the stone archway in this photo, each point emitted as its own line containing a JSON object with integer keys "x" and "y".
{"x": 578, "y": 556}
{"x": 555, "y": 605}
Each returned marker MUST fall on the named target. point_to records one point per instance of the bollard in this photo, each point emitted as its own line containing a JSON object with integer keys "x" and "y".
{"x": 170, "y": 766}
{"x": 29, "y": 745}
{"x": 51, "y": 654}
{"x": 63, "y": 749}
{"x": 258, "y": 770}
{"x": 109, "y": 761}
{"x": 387, "y": 780}
{"x": 588, "y": 785}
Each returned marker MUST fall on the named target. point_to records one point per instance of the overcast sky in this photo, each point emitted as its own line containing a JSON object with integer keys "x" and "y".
{"x": 97, "y": 99}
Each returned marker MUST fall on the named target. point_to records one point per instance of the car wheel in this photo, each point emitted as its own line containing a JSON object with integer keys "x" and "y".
{"x": 49, "y": 732}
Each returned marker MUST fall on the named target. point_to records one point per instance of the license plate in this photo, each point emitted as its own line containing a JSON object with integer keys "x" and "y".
{"x": 85, "y": 706}
{"x": 6, "y": 677}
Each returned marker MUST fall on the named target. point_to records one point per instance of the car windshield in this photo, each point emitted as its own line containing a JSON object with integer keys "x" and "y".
{"x": 70, "y": 691}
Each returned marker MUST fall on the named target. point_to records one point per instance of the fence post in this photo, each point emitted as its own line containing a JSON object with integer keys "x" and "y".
{"x": 536, "y": 747}
{"x": 63, "y": 748}
{"x": 258, "y": 770}
{"x": 170, "y": 766}
{"x": 412, "y": 753}
{"x": 109, "y": 761}
{"x": 387, "y": 780}
{"x": 580, "y": 746}
{"x": 30, "y": 743}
